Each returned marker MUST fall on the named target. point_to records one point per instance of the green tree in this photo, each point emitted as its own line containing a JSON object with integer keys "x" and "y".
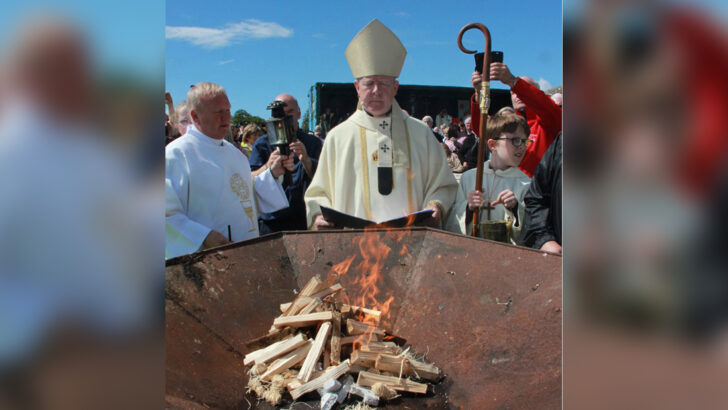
{"x": 241, "y": 118}
{"x": 305, "y": 121}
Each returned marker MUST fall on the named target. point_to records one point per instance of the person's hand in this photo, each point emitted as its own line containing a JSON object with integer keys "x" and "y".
{"x": 168, "y": 98}
{"x": 288, "y": 162}
{"x": 475, "y": 200}
{"x": 215, "y": 239}
{"x": 299, "y": 149}
{"x": 436, "y": 214}
{"x": 435, "y": 220}
{"x": 475, "y": 80}
{"x": 500, "y": 72}
{"x": 551, "y": 246}
{"x": 275, "y": 163}
{"x": 507, "y": 198}
{"x": 320, "y": 223}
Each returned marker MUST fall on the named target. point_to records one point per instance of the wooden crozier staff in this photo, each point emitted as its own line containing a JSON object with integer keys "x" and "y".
{"x": 484, "y": 105}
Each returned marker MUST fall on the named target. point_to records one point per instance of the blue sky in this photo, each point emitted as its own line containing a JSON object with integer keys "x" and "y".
{"x": 257, "y": 50}
{"x": 126, "y": 36}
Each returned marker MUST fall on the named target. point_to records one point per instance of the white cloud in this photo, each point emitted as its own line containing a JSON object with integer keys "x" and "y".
{"x": 226, "y": 62}
{"x": 230, "y": 34}
{"x": 318, "y": 35}
{"x": 402, "y": 14}
{"x": 544, "y": 84}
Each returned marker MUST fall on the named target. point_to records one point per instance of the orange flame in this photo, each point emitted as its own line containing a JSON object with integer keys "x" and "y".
{"x": 374, "y": 253}
{"x": 410, "y": 220}
{"x": 342, "y": 267}
{"x": 404, "y": 251}
{"x": 368, "y": 272}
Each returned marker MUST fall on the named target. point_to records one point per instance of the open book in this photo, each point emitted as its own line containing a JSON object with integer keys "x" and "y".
{"x": 349, "y": 221}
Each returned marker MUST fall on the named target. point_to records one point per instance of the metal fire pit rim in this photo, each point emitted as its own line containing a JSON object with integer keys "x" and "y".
{"x": 442, "y": 303}
{"x": 193, "y": 257}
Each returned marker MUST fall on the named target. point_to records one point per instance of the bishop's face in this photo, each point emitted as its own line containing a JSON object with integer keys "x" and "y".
{"x": 213, "y": 119}
{"x": 376, "y": 93}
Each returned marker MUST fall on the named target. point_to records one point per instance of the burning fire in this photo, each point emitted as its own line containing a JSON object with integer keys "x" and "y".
{"x": 374, "y": 252}
{"x": 368, "y": 274}
{"x": 342, "y": 267}
{"x": 372, "y": 258}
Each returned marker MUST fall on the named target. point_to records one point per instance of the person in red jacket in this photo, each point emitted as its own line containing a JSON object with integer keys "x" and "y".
{"x": 541, "y": 112}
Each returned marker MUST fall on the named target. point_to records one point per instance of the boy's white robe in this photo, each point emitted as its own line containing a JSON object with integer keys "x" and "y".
{"x": 511, "y": 178}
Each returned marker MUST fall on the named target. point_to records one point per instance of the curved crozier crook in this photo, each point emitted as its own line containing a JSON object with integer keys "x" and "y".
{"x": 478, "y": 26}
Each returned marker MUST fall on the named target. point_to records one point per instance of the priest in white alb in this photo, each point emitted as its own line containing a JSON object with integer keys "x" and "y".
{"x": 211, "y": 197}
{"x": 380, "y": 163}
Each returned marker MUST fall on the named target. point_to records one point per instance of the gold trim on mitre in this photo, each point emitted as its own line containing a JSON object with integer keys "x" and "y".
{"x": 375, "y": 50}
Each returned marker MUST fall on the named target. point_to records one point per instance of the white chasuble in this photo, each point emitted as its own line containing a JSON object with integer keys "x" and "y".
{"x": 494, "y": 182}
{"x": 347, "y": 175}
{"x": 208, "y": 186}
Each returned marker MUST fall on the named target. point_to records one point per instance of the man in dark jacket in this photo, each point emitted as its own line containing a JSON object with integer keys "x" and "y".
{"x": 468, "y": 153}
{"x": 542, "y": 225}
{"x": 307, "y": 149}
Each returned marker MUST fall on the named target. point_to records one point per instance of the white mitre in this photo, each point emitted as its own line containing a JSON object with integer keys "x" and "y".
{"x": 375, "y": 50}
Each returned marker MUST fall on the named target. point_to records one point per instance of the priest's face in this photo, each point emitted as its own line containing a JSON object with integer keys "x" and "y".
{"x": 376, "y": 93}
{"x": 213, "y": 118}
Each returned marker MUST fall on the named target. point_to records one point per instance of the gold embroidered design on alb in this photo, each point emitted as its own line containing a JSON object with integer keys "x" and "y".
{"x": 241, "y": 189}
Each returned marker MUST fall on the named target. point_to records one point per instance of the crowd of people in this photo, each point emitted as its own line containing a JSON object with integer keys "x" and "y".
{"x": 225, "y": 184}
{"x": 458, "y": 140}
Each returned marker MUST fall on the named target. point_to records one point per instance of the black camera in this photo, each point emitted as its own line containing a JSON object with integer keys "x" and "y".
{"x": 495, "y": 57}
{"x": 277, "y": 109}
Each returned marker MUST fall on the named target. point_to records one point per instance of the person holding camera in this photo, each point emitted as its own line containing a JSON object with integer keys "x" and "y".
{"x": 380, "y": 163}
{"x": 307, "y": 149}
{"x": 211, "y": 197}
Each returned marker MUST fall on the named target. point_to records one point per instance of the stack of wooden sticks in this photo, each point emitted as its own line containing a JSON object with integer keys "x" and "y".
{"x": 319, "y": 343}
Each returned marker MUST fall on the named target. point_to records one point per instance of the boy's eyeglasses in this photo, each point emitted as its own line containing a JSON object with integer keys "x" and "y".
{"x": 517, "y": 142}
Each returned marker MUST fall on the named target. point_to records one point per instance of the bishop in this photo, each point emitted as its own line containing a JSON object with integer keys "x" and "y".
{"x": 380, "y": 163}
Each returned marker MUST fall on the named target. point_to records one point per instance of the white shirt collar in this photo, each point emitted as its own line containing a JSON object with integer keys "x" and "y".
{"x": 198, "y": 135}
